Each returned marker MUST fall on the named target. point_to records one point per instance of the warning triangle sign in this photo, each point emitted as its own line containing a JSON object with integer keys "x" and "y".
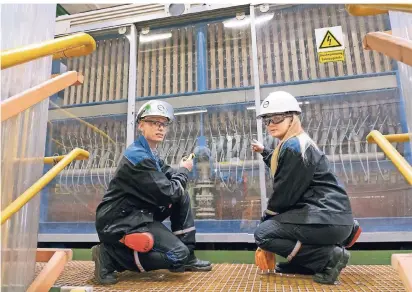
{"x": 329, "y": 41}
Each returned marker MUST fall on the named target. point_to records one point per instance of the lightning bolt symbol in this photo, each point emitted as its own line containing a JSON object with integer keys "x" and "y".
{"x": 329, "y": 40}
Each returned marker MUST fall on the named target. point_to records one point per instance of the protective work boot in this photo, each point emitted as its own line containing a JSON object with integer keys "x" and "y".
{"x": 103, "y": 272}
{"x": 338, "y": 260}
{"x": 290, "y": 268}
{"x": 195, "y": 265}
{"x": 354, "y": 235}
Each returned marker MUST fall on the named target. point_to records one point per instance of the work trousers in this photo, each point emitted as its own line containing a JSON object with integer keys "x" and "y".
{"x": 171, "y": 249}
{"x": 317, "y": 241}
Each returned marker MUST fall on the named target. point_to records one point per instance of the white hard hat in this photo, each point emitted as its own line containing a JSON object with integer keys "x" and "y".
{"x": 156, "y": 108}
{"x": 279, "y": 102}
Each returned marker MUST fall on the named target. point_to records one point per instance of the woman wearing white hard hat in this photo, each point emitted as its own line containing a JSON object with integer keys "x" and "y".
{"x": 309, "y": 217}
{"x": 144, "y": 192}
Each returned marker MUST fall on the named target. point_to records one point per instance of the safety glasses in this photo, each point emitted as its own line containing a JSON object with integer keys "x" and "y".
{"x": 276, "y": 119}
{"x": 158, "y": 123}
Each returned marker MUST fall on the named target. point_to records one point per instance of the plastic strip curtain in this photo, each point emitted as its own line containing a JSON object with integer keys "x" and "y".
{"x": 23, "y": 136}
{"x": 401, "y": 24}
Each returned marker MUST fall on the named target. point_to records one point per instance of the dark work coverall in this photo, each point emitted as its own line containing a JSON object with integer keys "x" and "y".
{"x": 312, "y": 208}
{"x": 143, "y": 193}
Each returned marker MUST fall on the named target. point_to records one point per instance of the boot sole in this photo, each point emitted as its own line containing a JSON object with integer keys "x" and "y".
{"x": 96, "y": 259}
{"x": 293, "y": 272}
{"x": 198, "y": 269}
{"x": 336, "y": 271}
{"x": 191, "y": 269}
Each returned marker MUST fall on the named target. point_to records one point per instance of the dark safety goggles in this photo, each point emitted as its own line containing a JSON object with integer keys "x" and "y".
{"x": 276, "y": 119}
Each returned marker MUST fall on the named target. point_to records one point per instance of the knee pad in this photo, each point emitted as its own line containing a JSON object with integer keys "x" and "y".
{"x": 140, "y": 242}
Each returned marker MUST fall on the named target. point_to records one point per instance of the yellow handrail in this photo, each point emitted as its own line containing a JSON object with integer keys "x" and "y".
{"x": 397, "y": 138}
{"x": 400, "y": 162}
{"x": 22, "y": 101}
{"x": 397, "y": 48}
{"x": 374, "y": 9}
{"x": 17, "y": 204}
{"x": 76, "y": 45}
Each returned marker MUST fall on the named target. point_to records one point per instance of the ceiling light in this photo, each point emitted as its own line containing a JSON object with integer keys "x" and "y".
{"x": 154, "y": 37}
{"x": 235, "y": 23}
{"x": 190, "y": 112}
{"x": 263, "y": 18}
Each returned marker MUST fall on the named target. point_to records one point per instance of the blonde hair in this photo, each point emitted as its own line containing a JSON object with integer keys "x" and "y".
{"x": 295, "y": 130}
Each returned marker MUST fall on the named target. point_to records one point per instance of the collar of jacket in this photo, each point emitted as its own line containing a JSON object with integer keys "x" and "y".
{"x": 142, "y": 142}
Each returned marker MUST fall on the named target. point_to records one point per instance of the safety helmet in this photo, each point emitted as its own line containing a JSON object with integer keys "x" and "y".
{"x": 279, "y": 102}
{"x": 155, "y": 108}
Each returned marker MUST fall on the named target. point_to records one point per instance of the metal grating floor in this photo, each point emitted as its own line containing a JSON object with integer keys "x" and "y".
{"x": 232, "y": 277}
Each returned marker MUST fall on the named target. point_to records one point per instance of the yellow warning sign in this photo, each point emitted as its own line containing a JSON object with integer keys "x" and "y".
{"x": 329, "y": 41}
{"x": 331, "y": 56}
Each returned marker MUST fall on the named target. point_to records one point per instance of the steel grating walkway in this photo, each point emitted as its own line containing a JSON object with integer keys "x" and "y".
{"x": 232, "y": 277}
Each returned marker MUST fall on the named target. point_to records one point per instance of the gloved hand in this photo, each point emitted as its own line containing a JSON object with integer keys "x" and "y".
{"x": 265, "y": 260}
{"x": 266, "y": 216}
{"x": 187, "y": 162}
{"x": 257, "y": 146}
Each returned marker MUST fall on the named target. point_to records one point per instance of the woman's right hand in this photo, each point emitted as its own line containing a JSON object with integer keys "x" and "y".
{"x": 257, "y": 146}
{"x": 187, "y": 163}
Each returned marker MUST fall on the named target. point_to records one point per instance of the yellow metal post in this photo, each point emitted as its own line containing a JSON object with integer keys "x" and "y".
{"x": 76, "y": 45}
{"x": 17, "y": 204}
{"x": 400, "y": 162}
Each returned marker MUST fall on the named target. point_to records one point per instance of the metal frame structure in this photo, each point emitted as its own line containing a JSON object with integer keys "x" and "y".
{"x": 157, "y": 16}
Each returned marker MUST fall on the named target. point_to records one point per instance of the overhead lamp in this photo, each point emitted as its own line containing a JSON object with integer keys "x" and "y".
{"x": 154, "y": 37}
{"x": 190, "y": 112}
{"x": 236, "y": 23}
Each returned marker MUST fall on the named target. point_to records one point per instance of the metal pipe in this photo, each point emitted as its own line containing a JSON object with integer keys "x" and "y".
{"x": 400, "y": 162}
{"x": 252, "y": 163}
{"x": 131, "y": 94}
{"x": 22, "y": 101}
{"x": 51, "y": 272}
{"x": 76, "y": 45}
{"x": 399, "y": 138}
{"x": 17, "y": 204}
{"x": 262, "y": 182}
{"x": 375, "y": 9}
{"x": 201, "y": 46}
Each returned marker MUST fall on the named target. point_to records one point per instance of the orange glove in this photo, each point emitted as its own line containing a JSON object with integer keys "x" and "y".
{"x": 265, "y": 260}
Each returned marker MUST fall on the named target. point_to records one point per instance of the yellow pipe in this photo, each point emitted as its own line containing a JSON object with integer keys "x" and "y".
{"x": 375, "y": 9}
{"x": 400, "y": 162}
{"x": 56, "y": 159}
{"x": 17, "y": 204}
{"x": 359, "y": 10}
{"x": 26, "y": 99}
{"x": 47, "y": 159}
{"x": 397, "y": 138}
{"x": 76, "y": 45}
